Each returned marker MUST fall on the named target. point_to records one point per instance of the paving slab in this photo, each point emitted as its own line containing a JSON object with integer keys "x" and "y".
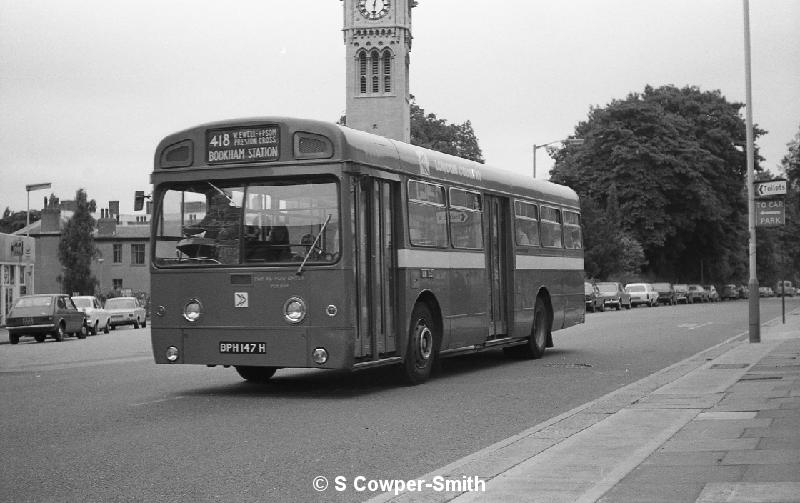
{"x": 751, "y": 492}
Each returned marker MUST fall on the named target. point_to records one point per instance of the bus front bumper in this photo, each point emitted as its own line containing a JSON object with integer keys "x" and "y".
{"x": 290, "y": 347}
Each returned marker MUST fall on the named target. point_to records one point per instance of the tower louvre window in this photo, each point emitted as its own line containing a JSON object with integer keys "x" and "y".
{"x": 375, "y": 63}
{"x": 387, "y": 71}
{"x": 362, "y": 71}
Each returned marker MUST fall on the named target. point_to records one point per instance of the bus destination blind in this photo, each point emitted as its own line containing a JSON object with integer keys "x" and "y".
{"x": 246, "y": 144}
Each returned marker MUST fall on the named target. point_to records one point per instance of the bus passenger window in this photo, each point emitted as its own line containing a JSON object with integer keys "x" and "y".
{"x": 466, "y": 219}
{"x": 427, "y": 217}
{"x": 551, "y": 227}
{"x": 526, "y": 222}
{"x": 572, "y": 231}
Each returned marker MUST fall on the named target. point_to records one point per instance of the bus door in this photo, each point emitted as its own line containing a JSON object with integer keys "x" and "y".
{"x": 496, "y": 238}
{"x": 376, "y": 267}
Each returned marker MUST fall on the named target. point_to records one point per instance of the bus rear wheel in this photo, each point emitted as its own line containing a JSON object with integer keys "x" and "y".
{"x": 422, "y": 344}
{"x": 256, "y": 374}
{"x": 537, "y": 342}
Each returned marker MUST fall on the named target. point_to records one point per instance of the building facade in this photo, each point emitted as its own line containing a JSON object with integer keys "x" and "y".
{"x": 377, "y": 35}
{"x": 123, "y": 248}
{"x": 17, "y": 265}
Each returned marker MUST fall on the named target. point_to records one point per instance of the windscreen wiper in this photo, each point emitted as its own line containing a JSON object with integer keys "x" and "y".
{"x": 313, "y": 245}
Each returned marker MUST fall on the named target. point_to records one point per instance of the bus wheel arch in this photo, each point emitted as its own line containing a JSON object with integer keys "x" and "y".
{"x": 424, "y": 339}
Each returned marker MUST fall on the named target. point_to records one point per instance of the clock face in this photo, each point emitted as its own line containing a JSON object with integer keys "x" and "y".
{"x": 373, "y": 9}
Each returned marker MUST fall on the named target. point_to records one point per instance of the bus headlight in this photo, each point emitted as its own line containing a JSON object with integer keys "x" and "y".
{"x": 172, "y": 354}
{"x": 294, "y": 310}
{"x": 192, "y": 310}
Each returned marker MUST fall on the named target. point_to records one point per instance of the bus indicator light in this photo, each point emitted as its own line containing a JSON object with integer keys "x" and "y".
{"x": 320, "y": 356}
{"x": 331, "y": 310}
{"x": 172, "y": 354}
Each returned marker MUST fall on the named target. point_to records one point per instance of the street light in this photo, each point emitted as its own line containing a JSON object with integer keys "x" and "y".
{"x": 28, "y": 189}
{"x": 100, "y": 261}
{"x": 567, "y": 143}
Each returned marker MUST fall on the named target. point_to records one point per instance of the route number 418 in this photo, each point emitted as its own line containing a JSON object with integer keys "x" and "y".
{"x": 220, "y": 140}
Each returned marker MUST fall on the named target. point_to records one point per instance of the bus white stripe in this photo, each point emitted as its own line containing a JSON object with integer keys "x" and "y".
{"x": 440, "y": 259}
{"x": 435, "y": 259}
{"x": 528, "y": 262}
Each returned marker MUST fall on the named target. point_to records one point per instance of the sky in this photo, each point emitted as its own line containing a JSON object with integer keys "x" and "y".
{"x": 89, "y": 87}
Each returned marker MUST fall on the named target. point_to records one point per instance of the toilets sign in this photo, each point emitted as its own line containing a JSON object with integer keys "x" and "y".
{"x": 771, "y": 188}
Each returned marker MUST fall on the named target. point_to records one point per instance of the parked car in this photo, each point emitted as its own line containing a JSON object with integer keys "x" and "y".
{"x": 729, "y": 292}
{"x": 642, "y": 293}
{"x": 666, "y": 293}
{"x": 744, "y": 292}
{"x": 713, "y": 296}
{"x": 697, "y": 294}
{"x": 594, "y": 301}
{"x": 614, "y": 295}
{"x": 45, "y": 315}
{"x": 787, "y": 289}
{"x": 126, "y": 311}
{"x": 765, "y": 291}
{"x": 681, "y": 293}
{"x": 97, "y": 318}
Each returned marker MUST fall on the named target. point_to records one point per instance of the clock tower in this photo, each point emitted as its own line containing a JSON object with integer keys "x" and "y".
{"x": 377, "y": 34}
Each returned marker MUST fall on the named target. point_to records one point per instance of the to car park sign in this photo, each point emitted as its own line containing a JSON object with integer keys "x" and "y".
{"x": 771, "y": 188}
{"x": 770, "y": 213}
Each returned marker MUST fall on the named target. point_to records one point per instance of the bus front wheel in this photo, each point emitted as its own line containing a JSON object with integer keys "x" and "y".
{"x": 256, "y": 374}
{"x": 422, "y": 343}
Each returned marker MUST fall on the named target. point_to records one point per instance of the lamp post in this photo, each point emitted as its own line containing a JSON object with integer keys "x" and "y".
{"x": 28, "y": 189}
{"x": 100, "y": 270}
{"x": 567, "y": 142}
{"x": 754, "y": 329}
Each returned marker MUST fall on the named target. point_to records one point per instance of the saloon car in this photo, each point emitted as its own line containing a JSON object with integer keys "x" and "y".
{"x": 126, "y": 311}
{"x": 594, "y": 301}
{"x": 642, "y": 293}
{"x": 97, "y": 318}
{"x": 44, "y": 315}
{"x": 666, "y": 293}
{"x": 697, "y": 294}
{"x": 614, "y": 295}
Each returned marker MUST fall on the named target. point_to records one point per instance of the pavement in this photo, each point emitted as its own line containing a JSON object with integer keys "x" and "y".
{"x": 720, "y": 426}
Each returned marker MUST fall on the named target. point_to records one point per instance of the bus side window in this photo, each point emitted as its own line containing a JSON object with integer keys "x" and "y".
{"x": 551, "y": 227}
{"x": 572, "y": 231}
{"x": 526, "y": 222}
{"x": 427, "y": 214}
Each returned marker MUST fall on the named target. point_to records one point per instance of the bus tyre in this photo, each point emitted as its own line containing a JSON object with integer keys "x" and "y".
{"x": 541, "y": 328}
{"x": 422, "y": 343}
{"x": 39, "y": 337}
{"x": 256, "y": 374}
{"x": 13, "y": 338}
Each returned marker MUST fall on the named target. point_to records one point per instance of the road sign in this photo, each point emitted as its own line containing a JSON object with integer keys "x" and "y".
{"x": 37, "y": 186}
{"x": 771, "y": 188}
{"x": 770, "y": 213}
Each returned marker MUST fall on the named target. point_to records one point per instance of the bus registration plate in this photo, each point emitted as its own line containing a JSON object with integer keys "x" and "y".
{"x": 243, "y": 348}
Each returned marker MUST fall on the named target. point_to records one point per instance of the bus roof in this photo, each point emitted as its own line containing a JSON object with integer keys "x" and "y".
{"x": 350, "y": 145}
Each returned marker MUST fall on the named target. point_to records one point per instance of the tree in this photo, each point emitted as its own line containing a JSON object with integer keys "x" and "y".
{"x": 672, "y": 156}
{"x": 430, "y": 132}
{"x": 76, "y": 248}
{"x": 14, "y": 221}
